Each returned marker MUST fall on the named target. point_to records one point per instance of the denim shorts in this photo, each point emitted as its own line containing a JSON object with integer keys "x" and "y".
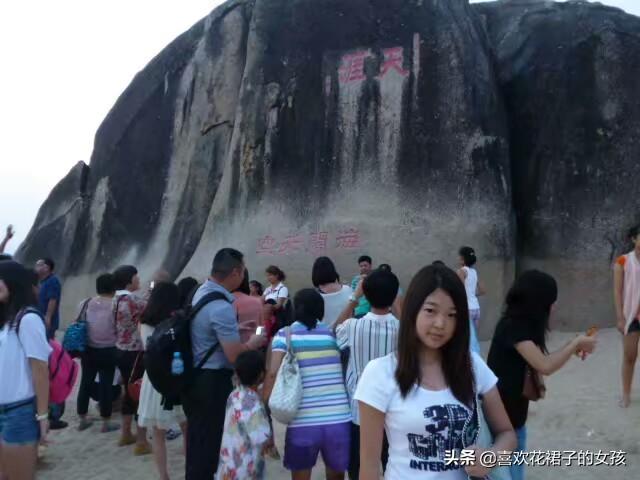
{"x": 18, "y": 424}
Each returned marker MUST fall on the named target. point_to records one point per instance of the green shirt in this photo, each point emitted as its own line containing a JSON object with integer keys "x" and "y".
{"x": 363, "y": 305}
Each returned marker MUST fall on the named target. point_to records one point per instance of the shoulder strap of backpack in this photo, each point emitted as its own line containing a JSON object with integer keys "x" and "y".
{"x": 208, "y": 298}
{"x": 23, "y": 312}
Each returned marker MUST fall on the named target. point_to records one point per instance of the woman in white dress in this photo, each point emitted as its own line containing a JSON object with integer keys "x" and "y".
{"x": 152, "y": 413}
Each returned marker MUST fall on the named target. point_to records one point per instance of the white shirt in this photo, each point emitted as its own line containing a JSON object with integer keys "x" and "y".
{"x": 334, "y": 304}
{"x": 471, "y": 286}
{"x": 424, "y": 425}
{"x": 274, "y": 293}
{"x": 15, "y": 369}
{"x": 370, "y": 337}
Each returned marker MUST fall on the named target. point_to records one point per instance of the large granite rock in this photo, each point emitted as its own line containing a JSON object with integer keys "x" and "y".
{"x": 58, "y": 225}
{"x": 399, "y": 128}
{"x": 568, "y": 72}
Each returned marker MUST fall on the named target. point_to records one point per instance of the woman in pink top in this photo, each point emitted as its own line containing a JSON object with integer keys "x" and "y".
{"x": 100, "y": 355}
{"x": 626, "y": 293}
{"x": 249, "y": 309}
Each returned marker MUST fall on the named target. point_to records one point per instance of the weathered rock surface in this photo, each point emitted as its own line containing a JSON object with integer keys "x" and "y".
{"x": 58, "y": 223}
{"x": 399, "y": 128}
{"x": 568, "y": 72}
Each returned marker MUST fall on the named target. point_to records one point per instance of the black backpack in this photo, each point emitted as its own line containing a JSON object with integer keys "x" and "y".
{"x": 174, "y": 335}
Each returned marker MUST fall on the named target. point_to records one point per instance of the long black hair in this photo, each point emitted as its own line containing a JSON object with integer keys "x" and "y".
{"x": 456, "y": 358}
{"x": 257, "y": 285}
{"x": 19, "y": 282}
{"x": 309, "y": 307}
{"x": 528, "y": 305}
{"x": 468, "y": 255}
{"x": 187, "y": 288}
{"x": 163, "y": 301}
{"x": 244, "y": 286}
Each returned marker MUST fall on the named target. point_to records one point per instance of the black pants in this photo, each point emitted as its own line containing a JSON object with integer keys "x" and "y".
{"x": 101, "y": 361}
{"x": 354, "y": 463}
{"x": 125, "y": 361}
{"x": 204, "y": 405}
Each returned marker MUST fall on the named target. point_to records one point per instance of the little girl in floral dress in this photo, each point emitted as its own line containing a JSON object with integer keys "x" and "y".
{"x": 247, "y": 433}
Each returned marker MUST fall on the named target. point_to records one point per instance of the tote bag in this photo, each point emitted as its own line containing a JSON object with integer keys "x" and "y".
{"x": 287, "y": 391}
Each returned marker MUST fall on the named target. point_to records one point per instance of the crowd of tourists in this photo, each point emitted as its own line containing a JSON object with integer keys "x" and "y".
{"x": 374, "y": 379}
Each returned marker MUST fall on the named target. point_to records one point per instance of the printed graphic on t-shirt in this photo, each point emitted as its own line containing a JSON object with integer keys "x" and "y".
{"x": 444, "y": 431}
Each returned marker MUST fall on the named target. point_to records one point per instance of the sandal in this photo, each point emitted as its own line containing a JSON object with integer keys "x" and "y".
{"x": 84, "y": 425}
{"x": 109, "y": 427}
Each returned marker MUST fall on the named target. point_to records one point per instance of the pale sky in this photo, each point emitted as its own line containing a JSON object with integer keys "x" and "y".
{"x": 65, "y": 63}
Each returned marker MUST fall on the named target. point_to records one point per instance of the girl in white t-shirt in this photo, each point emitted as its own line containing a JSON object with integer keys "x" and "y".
{"x": 423, "y": 395}
{"x": 24, "y": 388}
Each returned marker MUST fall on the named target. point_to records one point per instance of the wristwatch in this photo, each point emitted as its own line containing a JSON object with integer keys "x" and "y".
{"x": 353, "y": 298}
{"x": 44, "y": 416}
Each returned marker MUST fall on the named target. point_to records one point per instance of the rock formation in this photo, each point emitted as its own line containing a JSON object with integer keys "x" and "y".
{"x": 568, "y": 74}
{"x": 399, "y": 128}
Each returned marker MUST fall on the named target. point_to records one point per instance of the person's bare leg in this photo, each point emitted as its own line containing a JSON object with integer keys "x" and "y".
{"x": 160, "y": 452}
{"x": 333, "y": 475}
{"x": 301, "y": 475}
{"x": 142, "y": 444}
{"x": 2, "y": 469}
{"x": 141, "y": 435}
{"x": 107, "y": 426}
{"x": 629, "y": 357}
{"x": 183, "y": 427}
{"x": 19, "y": 463}
{"x": 127, "y": 434}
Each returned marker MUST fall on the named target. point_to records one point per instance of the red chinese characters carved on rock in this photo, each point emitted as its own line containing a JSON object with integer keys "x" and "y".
{"x": 315, "y": 243}
{"x": 291, "y": 244}
{"x": 318, "y": 242}
{"x": 267, "y": 245}
{"x": 393, "y": 60}
{"x": 352, "y": 66}
{"x": 348, "y": 239}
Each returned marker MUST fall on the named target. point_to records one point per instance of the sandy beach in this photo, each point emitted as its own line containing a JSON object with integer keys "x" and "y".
{"x": 579, "y": 413}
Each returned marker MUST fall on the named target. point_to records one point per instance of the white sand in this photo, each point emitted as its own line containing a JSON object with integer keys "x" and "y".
{"x": 579, "y": 413}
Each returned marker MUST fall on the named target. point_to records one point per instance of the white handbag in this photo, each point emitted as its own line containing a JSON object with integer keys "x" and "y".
{"x": 287, "y": 392}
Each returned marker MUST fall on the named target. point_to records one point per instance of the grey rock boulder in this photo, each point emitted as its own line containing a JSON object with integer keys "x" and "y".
{"x": 568, "y": 73}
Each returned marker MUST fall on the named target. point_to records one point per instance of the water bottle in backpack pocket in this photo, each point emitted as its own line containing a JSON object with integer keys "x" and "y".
{"x": 168, "y": 358}
{"x": 177, "y": 365}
